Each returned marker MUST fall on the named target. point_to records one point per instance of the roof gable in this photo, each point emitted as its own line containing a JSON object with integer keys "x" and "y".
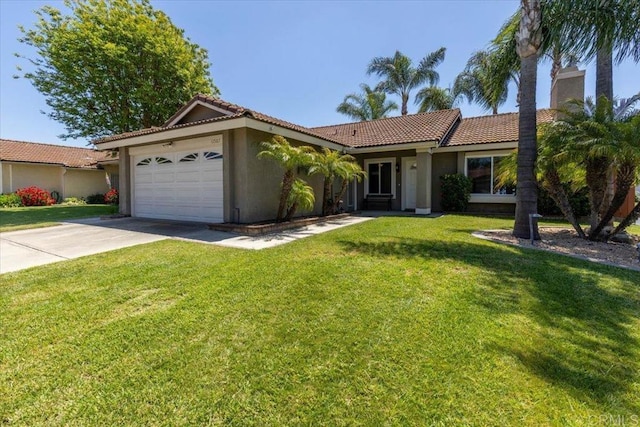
{"x": 491, "y": 129}
{"x": 33, "y": 152}
{"x": 202, "y": 107}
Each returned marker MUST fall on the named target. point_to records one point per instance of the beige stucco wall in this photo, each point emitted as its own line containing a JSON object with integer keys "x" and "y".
{"x": 5, "y": 171}
{"x": 26, "y": 175}
{"x": 254, "y": 187}
{"x": 67, "y": 182}
{"x": 83, "y": 183}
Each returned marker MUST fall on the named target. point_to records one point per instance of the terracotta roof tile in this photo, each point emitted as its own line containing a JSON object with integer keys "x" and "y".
{"x": 32, "y": 152}
{"x": 235, "y": 112}
{"x": 494, "y": 128}
{"x": 419, "y": 127}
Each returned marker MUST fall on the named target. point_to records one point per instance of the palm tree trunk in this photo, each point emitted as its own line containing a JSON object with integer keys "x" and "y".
{"x": 527, "y": 189}
{"x": 553, "y": 185}
{"x": 287, "y": 183}
{"x": 596, "y": 175}
{"x": 624, "y": 181}
{"x": 604, "y": 73}
{"x": 292, "y": 209}
{"x": 326, "y": 196}
{"x": 630, "y": 219}
{"x": 405, "y": 101}
{"x": 343, "y": 189}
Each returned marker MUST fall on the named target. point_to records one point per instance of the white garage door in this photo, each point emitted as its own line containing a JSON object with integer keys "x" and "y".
{"x": 183, "y": 185}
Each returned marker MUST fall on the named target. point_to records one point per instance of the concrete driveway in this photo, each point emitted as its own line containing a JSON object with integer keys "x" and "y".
{"x": 73, "y": 239}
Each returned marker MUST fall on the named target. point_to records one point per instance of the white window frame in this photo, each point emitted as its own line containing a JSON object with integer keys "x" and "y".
{"x": 488, "y": 197}
{"x": 392, "y": 161}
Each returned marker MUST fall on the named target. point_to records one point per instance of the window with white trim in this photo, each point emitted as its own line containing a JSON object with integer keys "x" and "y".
{"x": 381, "y": 176}
{"x": 483, "y": 171}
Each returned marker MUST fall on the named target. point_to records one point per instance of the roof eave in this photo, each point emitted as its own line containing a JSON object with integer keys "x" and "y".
{"x": 394, "y": 147}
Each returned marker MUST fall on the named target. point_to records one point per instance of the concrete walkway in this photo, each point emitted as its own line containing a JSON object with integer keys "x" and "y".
{"x": 30, "y": 248}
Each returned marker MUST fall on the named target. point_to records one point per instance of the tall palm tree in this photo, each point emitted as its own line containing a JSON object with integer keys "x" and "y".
{"x": 290, "y": 158}
{"x": 371, "y": 104}
{"x": 481, "y": 81}
{"x": 433, "y": 98}
{"x": 401, "y": 77}
{"x": 528, "y": 41}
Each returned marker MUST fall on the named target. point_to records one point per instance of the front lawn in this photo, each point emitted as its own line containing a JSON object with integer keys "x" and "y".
{"x": 12, "y": 219}
{"x": 395, "y": 321}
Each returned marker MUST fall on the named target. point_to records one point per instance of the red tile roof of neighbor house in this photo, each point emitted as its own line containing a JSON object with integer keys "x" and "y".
{"x": 494, "y": 128}
{"x": 32, "y": 152}
{"x": 419, "y": 127}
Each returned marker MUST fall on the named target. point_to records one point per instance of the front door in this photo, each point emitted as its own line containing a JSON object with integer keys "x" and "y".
{"x": 410, "y": 179}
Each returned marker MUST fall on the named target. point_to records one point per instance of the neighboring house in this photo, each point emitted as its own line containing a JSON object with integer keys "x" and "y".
{"x": 201, "y": 165}
{"x": 70, "y": 171}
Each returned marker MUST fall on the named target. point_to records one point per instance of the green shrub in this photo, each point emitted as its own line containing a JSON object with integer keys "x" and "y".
{"x": 11, "y": 200}
{"x": 456, "y": 190}
{"x": 74, "y": 201}
{"x": 95, "y": 199}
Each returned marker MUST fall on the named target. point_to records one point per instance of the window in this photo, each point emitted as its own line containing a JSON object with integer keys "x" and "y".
{"x": 211, "y": 155}
{"x": 380, "y": 176}
{"x": 189, "y": 158}
{"x": 162, "y": 160}
{"x": 483, "y": 172}
{"x": 144, "y": 162}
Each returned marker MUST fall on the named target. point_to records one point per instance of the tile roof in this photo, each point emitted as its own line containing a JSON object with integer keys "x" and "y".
{"x": 494, "y": 128}
{"x": 32, "y": 152}
{"x": 419, "y": 127}
{"x": 234, "y": 110}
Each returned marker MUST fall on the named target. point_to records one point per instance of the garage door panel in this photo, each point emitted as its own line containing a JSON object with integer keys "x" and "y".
{"x": 187, "y": 190}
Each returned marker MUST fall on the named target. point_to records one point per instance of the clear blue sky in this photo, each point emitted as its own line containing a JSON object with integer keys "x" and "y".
{"x": 294, "y": 60}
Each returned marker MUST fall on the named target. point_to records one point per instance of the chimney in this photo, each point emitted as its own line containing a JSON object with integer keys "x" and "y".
{"x": 568, "y": 84}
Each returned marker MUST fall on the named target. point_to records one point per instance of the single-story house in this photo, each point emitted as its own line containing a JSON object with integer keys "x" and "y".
{"x": 202, "y": 165}
{"x": 69, "y": 171}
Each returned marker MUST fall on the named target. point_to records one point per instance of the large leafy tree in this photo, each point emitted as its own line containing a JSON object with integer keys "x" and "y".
{"x": 528, "y": 41}
{"x": 401, "y": 77}
{"x": 113, "y": 66}
{"x": 371, "y": 104}
{"x": 290, "y": 158}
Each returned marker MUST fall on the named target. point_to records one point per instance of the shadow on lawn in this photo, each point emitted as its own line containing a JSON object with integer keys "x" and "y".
{"x": 584, "y": 340}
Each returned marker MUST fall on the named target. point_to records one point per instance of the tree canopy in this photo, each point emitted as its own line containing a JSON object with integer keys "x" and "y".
{"x": 401, "y": 77}
{"x": 371, "y": 104}
{"x": 113, "y": 66}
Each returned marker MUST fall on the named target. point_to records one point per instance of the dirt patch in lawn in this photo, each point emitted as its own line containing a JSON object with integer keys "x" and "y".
{"x": 566, "y": 241}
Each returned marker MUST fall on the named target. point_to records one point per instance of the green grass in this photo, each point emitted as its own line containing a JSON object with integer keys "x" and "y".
{"x": 12, "y": 219}
{"x": 396, "y": 321}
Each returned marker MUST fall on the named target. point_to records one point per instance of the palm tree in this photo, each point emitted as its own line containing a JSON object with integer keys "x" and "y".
{"x": 433, "y": 98}
{"x": 481, "y": 81}
{"x": 598, "y": 28}
{"x": 400, "y": 77}
{"x": 528, "y": 41}
{"x": 290, "y": 158}
{"x": 332, "y": 165}
{"x": 301, "y": 196}
{"x": 369, "y": 105}
{"x": 604, "y": 143}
